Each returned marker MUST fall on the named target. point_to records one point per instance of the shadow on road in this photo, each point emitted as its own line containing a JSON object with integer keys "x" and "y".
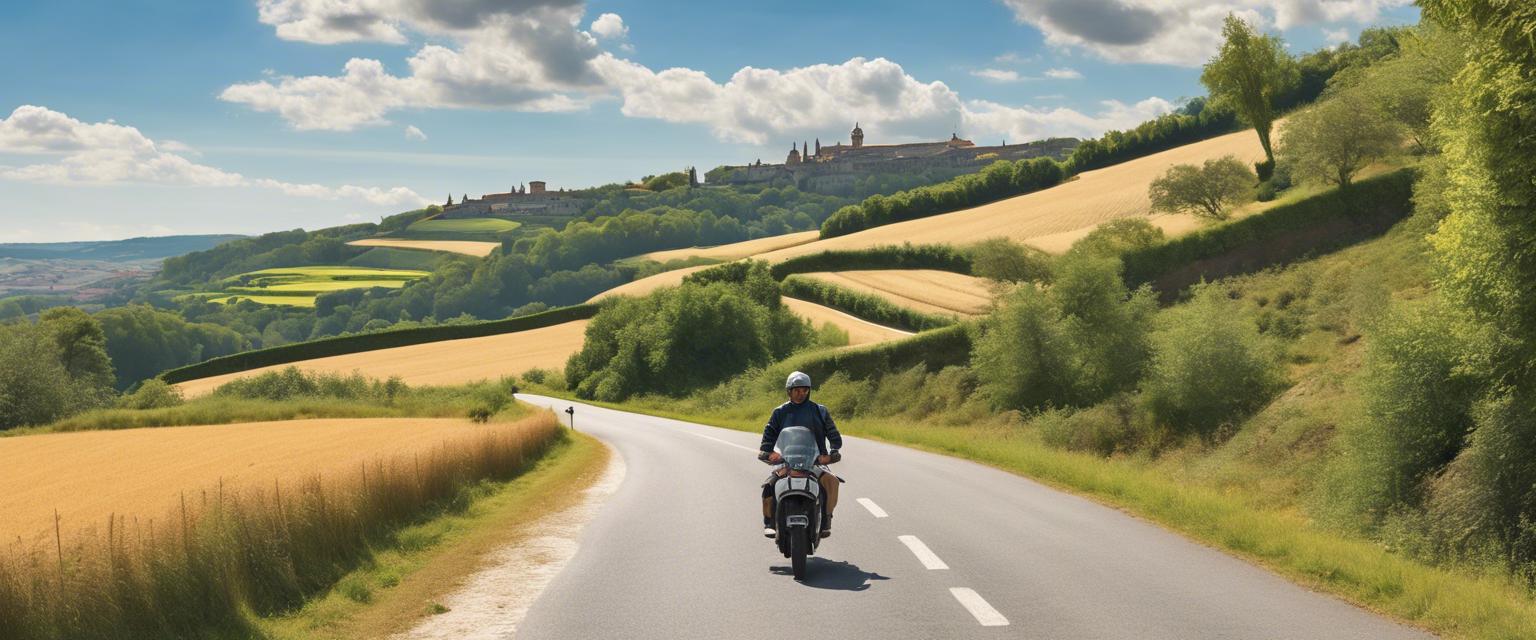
{"x": 827, "y": 574}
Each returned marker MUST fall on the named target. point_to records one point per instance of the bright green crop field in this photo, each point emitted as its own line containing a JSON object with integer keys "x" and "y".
{"x": 298, "y": 286}
{"x": 474, "y": 226}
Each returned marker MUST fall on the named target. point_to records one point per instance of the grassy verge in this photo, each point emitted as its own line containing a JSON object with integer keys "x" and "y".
{"x": 1449, "y": 602}
{"x": 216, "y": 562}
{"x": 411, "y": 573}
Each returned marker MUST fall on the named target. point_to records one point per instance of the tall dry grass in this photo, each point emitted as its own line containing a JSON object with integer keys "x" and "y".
{"x": 204, "y": 568}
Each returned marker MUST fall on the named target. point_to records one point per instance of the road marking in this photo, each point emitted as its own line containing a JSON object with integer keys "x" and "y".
{"x": 700, "y": 435}
{"x": 874, "y": 509}
{"x": 920, "y": 550}
{"x": 973, "y": 602}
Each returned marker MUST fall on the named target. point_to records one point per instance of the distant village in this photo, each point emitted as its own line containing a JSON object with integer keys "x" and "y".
{"x": 819, "y": 168}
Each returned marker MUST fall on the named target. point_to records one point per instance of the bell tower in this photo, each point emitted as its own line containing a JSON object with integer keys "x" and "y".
{"x": 857, "y": 136}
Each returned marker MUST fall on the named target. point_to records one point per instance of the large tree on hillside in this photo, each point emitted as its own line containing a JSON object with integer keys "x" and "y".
{"x": 1207, "y": 191}
{"x": 1335, "y": 139}
{"x": 1247, "y": 75}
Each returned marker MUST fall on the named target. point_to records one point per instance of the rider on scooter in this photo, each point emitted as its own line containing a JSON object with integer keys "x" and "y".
{"x": 800, "y": 411}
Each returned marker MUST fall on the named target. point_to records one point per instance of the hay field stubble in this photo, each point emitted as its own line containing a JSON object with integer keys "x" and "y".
{"x": 860, "y": 331}
{"x": 438, "y": 363}
{"x": 466, "y": 247}
{"x": 89, "y": 475}
{"x": 925, "y": 290}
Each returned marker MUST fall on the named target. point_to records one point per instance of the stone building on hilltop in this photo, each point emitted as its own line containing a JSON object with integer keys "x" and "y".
{"x": 534, "y": 199}
{"x": 837, "y": 167}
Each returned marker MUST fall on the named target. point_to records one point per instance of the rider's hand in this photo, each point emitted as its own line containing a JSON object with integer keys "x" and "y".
{"x": 775, "y": 457}
{"x": 823, "y": 459}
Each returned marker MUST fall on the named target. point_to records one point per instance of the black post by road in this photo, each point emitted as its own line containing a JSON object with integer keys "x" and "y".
{"x": 571, "y": 411}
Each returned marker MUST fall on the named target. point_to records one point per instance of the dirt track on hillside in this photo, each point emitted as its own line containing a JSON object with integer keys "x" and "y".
{"x": 142, "y": 472}
{"x": 440, "y": 363}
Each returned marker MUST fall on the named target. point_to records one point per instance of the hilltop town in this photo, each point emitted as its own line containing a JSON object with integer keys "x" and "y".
{"x": 810, "y": 167}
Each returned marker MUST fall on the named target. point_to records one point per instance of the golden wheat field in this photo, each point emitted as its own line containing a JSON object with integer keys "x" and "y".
{"x": 1050, "y": 219}
{"x": 466, "y": 247}
{"x": 860, "y": 331}
{"x": 1094, "y": 197}
{"x": 646, "y": 285}
{"x": 439, "y": 363}
{"x": 736, "y": 250}
{"x": 142, "y": 473}
{"x": 925, "y": 290}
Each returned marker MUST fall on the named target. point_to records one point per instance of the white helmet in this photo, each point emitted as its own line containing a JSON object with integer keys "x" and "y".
{"x": 797, "y": 379}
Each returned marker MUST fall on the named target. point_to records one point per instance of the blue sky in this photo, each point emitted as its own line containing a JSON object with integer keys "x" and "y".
{"x": 120, "y": 119}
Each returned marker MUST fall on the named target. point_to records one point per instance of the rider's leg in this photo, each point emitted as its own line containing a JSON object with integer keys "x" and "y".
{"x": 829, "y": 484}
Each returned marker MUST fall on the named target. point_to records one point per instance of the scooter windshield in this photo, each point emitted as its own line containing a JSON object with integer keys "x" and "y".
{"x": 798, "y": 446}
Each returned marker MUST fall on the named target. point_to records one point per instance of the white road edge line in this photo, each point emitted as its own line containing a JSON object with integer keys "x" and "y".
{"x": 924, "y": 555}
{"x": 983, "y": 612}
{"x": 874, "y": 509}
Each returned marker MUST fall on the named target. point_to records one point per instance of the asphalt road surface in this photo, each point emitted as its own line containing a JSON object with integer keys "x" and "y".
{"x": 924, "y": 546}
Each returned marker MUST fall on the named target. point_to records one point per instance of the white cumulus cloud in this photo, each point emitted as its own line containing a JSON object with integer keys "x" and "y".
{"x": 997, "y": 75}
{"x": 102, "y": 153}
{"x": 412, "y": 133}
{"x": 1063, "y": 74}
{"x": 1029, "y": 123}
{"x": 609, "y": 26}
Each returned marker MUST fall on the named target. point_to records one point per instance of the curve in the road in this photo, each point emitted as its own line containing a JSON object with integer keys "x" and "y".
{"x": 925, "y": 546}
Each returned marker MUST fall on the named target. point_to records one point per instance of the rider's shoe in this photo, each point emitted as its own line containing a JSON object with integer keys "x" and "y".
{"x": 768, "y": 532}
{"x": 826, "y": 527}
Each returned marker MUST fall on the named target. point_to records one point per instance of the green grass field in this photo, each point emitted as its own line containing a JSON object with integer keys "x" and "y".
{"x": 473, "y": 226}
{"x": 391, "y": 258}
{"x": 298, "y": 286}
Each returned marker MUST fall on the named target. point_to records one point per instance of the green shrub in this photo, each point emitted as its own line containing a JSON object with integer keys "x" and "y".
{"x": 934, "y": 349}
{"x": 1117, "y": 425}
{"x": 680, "y": 339}
{"x": 1073, "y": 344}
{"x": 1004, "y": 261}
{"x": 1118, "y": 237}
{"x": 906, "y": 256}
{"x": 1210, "y": 367}
{"x": 1419, "y": 398}
{"x": 867, "y": 306}
{"x": 151, "y": 394}
{"x": 831, "y": 336}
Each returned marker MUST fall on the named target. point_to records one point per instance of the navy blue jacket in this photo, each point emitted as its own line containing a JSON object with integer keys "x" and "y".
{"x": 806, "y": 414}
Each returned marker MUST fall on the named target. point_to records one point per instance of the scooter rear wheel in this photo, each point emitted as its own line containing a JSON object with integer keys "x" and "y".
{"x": 799, "y": 546}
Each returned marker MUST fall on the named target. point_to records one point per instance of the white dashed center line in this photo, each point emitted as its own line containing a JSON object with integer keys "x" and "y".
{"x": 920, "y": 550}
{"x": 874, "y": 509}
{"x": 973, "y": 602}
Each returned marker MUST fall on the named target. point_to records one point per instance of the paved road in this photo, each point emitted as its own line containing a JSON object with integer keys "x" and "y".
{"x": 924, "y": 546}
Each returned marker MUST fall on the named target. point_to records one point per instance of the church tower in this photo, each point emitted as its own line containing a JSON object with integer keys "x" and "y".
{"x": 858, "y": 136}
{"x": 794, "y": 155}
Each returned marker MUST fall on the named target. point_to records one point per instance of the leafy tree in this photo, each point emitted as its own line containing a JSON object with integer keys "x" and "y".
{"x": 680, "y": 339}
{"x": 1249, "y": 72}
{"x": 1487, "y": 496}
{"x": 1208, "y": 191}
{"x": 1336, "y": 138}
{"x": 35, "y": 388}
{"x": 143, "y": 341}
{"x": 83, "y": 352}
{"x": 1075, "y": 343}
{"x": 1404, "y": 87}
